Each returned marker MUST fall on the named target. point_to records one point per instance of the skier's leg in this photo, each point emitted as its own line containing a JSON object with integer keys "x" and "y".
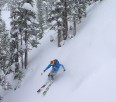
{"x": 51, "y": 75}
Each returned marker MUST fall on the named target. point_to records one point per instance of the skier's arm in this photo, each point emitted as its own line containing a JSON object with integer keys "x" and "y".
{"x": 47, "y": 67}
{"x": 62, "y": 67}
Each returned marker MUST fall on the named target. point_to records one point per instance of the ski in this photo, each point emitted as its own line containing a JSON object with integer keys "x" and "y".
{"x": 48, "y": 87}
{"x": 42, "y": 87}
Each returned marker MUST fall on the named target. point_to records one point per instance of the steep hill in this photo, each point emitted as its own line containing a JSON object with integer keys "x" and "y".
{"x": 89, "y": 59}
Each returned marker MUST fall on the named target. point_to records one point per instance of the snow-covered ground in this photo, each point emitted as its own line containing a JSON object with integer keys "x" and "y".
{"x": 89, "y": 59}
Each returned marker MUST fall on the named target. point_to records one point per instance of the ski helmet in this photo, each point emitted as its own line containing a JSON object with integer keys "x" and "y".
{"x": 52, "y": 62}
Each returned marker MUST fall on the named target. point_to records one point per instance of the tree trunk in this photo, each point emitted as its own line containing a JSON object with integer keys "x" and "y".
{"x": 65, "y": 24}
{"x": 26, "y": 53}
{"x": 46, "y": 12}
{"x": 17, "y": 55}
{"x": 74, "y": 24}
{"x": 59, "y": 35}
{"x": 26, "y": 58}
{"x": 21, "y": 49}
{"x": 40, "y": 17}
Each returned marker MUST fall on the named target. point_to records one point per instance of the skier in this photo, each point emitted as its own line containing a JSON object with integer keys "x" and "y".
{"x": 55, "y": 67}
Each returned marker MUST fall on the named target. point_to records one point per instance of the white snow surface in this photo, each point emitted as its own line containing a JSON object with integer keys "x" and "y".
{"x": 89, "y": 60}
{"x": 27, "y": 6}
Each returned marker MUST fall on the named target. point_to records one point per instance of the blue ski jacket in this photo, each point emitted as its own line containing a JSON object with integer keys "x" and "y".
{"x": 55, "y": 67}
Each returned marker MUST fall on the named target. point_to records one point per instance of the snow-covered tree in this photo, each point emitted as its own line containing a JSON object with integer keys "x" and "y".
{"x": 4, "y": 52}
{"x": 16, "y": 37}
{"x": 25, "y": 31}
{"x": 4, "y": 47}
{"x": 4, "y": 55}
{"x": 29, "y": 28}
{"x": 5, "y": 83}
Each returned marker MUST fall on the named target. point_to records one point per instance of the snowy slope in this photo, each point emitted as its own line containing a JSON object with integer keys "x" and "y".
{"x": 89, "y": 59}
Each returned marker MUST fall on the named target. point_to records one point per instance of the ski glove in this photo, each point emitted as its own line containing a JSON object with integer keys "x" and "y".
{"x": 64, "y": 70}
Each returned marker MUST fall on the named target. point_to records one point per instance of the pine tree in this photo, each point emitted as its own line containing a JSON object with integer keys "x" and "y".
{"x": 24, "y": 31}
{"x": 4, "y": 82}
{"x": 16, "y": 36}
{"x": 28, "y": 26}
{"x": 4, "y": 47}
{"x": 4, "y": 55}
